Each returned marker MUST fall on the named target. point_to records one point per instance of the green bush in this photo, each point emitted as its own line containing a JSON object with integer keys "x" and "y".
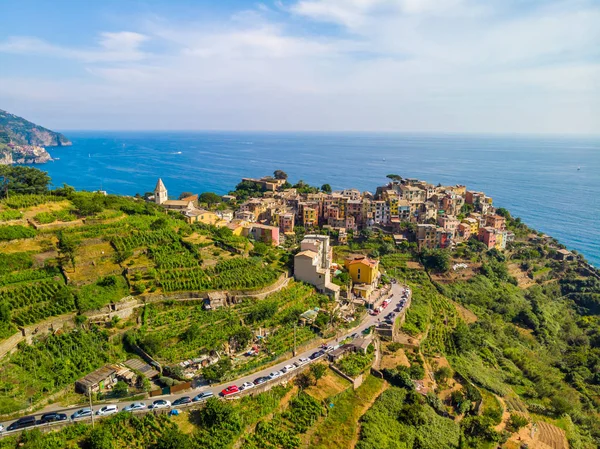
{"x": 16, "y": 232}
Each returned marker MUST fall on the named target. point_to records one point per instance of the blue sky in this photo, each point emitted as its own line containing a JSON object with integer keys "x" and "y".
{"x": 502, "y": 66}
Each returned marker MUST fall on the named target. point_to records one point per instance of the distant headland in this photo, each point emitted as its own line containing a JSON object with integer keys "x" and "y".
{"x": 24, "y": 142}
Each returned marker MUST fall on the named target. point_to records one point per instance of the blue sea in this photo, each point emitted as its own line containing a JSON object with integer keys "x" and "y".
{"x": 536, "y": 178}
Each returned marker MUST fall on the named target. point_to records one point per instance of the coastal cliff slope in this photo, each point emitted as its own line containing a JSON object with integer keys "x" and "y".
{"x": 23, "y": 142}
{"x": 23, "y": 132}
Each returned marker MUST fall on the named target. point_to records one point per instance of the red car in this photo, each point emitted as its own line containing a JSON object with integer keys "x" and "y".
{"x": 230, "y": 390}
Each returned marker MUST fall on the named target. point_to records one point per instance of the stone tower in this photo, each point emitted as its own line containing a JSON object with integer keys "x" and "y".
{"x": 160, "y": 192}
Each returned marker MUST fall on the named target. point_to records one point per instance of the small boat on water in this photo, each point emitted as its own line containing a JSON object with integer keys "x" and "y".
{"x": 578, "y": 168}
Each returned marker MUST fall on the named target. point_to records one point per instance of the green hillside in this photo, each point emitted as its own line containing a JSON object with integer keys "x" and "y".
{"x": 23, "y": 132}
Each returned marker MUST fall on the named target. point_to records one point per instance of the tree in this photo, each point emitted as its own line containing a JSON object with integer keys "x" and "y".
{"x": 436, "y": 260}
{"x": 443, "y": 374}
{"x": 66, "y": 248}
{"x": 305, "y": 380}
{"x": 515, "y": 422}
{"x": 173, "y": 439}
{"x": 185, "y": 195}
{"x": 100, "y": 438}
{"x": 209, "y": 198}
{"x": 4, "y": 312}
{"x": 326, "y": 188}
{"x": 280, "y": 174}
{"x": 121, "y": 389}
{"x": 218, "y": 414}
{"x": 394, "y": 177}
{"x": 318, "y": 370}
{"x": 214, "y": 373}
{"x": 24, "y": 180}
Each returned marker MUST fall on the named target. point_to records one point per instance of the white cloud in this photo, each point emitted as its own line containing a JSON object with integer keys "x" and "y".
{"x": 112, "y": 47}
{"x": 448, "y": 65}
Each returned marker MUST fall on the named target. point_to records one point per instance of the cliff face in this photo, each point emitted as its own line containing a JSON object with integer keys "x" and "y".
{"x": 22, "y": 142}
{"x": 23, "y": 132}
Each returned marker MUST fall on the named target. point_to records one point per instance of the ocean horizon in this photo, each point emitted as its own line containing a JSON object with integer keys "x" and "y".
{"x": 552, "y": 182}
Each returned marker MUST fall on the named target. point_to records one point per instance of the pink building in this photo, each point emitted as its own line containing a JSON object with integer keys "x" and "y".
{"x": 487, "y": 235}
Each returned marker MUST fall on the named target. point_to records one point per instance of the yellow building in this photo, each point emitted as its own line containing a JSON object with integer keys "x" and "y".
{"x": 202, "y": 216}
{"x": 473, "y": 223}
{"x": 393, "y": 202}
{"x": 500, "y": 244}
{"x": 309, "y": 216}
{"x": 363, "y": 270}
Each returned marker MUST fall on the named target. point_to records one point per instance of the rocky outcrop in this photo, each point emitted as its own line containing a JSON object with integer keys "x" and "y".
{"x": 23, "y": 154}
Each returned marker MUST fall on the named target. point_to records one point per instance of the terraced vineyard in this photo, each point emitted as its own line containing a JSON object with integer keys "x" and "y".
{"x": 235, "y": 274}
{"x": 444, "y": 319}
{"x": 36, "y": 301}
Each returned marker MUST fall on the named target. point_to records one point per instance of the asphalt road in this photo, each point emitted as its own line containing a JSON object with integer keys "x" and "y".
{"x": 396, "y": 296}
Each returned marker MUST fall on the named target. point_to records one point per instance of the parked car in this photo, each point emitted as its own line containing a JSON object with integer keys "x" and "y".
{"x": 160, "y": 403}
{"x": 246, "y": 386}
{"x": 274, "y": 374}
{"x": 52, "y": 417}
{"x": 182, "y": 401}
{"x": 22, "y": 423}
{"x": 316, "y": 355}
{"x": 1, "y": 428}
{"x": 288, "y": 368}
{"x": 203, "y": 396}
{"x": 108, "y": 410}
{"x": 260, "y": 380}
{"x": 301, "y": 361}
{"x": 82, "y": 413}
{"x": 135, "y": 406}
{"x": 233, "y": 389}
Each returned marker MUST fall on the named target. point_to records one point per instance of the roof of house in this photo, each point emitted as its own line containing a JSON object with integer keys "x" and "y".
{"x": 176, "y": 203}
{"x": 565, "y": 252}
{"x": 307, "y": 253}
{"x": 95, "y": 377}
{"x": 190, "y": 198}
{"x": 142, "y": 367}
{"x": 362, "y": 342}
{"x": 160, "y": 187}
{"x": 364, "y": 260}
{"x": 341, "y": 350}
{"x": 196, "y": 212}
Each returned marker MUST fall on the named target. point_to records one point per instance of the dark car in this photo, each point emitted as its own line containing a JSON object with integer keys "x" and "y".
{"x": 261, "y": 380}
{"x": 52, "y": 417}
{"x": 181, "y": 401}
{"x": 316, "y": 355}
{"x": 22, "y": 423}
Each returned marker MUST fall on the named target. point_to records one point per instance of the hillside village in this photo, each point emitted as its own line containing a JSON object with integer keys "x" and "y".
{"x": 108, "y": 298}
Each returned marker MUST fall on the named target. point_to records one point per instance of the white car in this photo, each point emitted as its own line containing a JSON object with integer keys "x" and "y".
{"x": 275, "y": 374}
{"x": 1, "y": 428}
{"x": 108, "y": 410}
{"x": 135, "y": 406}
{"x": 301, "y": 361}
{"x": 160, "y": 403}
{"x": 246, "y": 386}
{"x": 287, "y": 368}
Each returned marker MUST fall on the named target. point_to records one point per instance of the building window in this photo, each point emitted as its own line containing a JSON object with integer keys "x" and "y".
{"x": 359, "y": 274}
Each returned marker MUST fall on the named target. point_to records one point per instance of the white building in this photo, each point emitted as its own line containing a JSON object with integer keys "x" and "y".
{"x": 312, "y": 263}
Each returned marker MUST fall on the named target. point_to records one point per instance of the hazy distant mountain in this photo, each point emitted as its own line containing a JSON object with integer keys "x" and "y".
{"x": 23, "y": 132}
